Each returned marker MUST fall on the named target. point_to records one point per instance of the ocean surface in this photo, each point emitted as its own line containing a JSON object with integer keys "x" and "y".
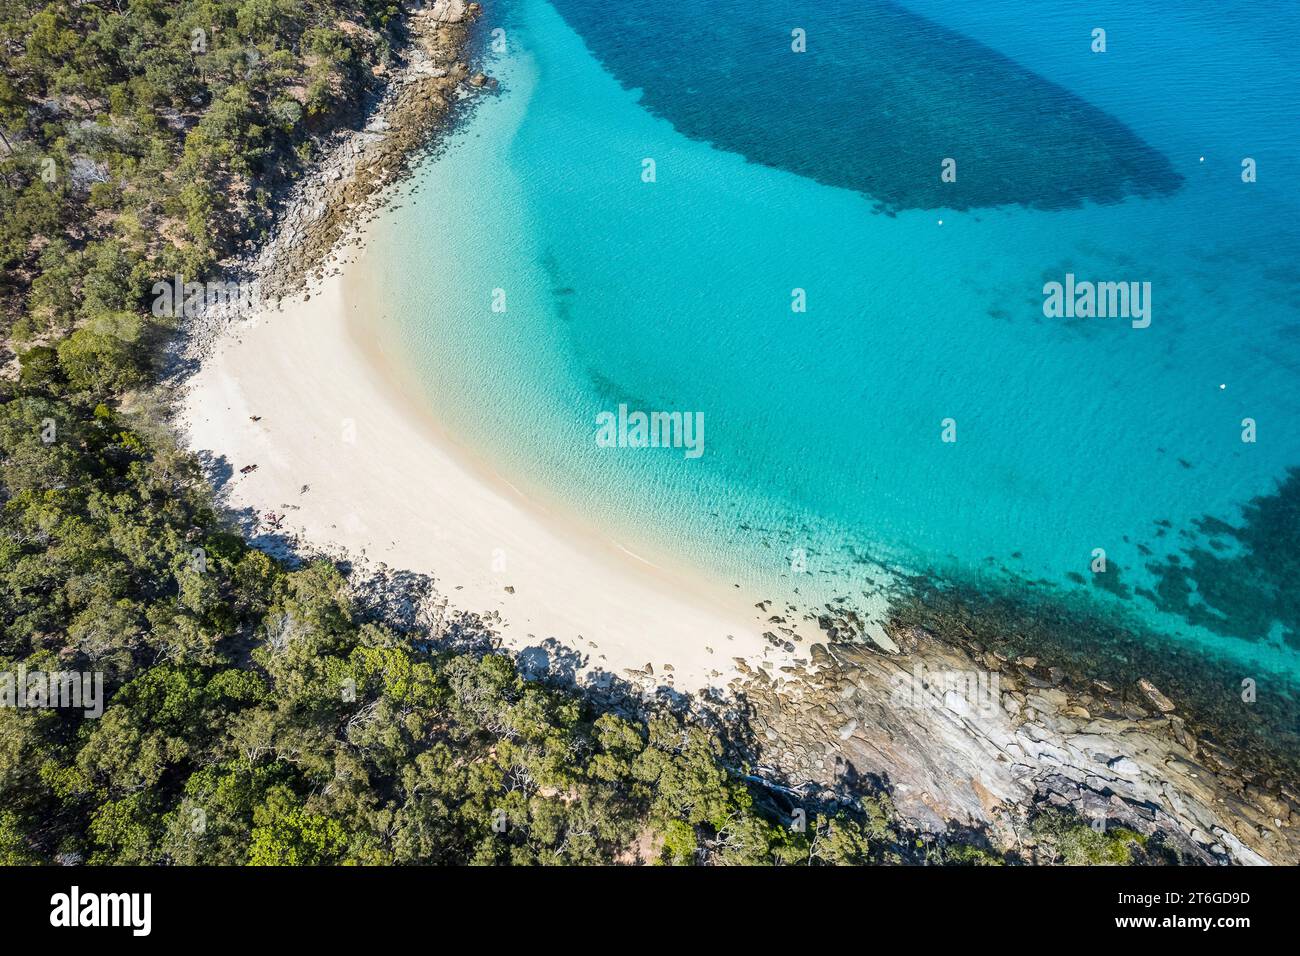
{"x": 536, "y": 274}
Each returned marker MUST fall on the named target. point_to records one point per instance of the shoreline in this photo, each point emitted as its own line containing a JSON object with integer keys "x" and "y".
{"x": 301, "y": 394}
{"x": 299, "y": 391}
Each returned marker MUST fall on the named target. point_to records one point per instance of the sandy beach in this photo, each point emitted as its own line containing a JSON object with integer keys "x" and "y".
{"x": 346, "y": 461}
{"x": 313, "y": 441}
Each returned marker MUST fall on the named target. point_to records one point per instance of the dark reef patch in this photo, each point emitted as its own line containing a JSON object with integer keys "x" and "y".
{"x": 1240, "y": 581}
{"x": 1108, "y": 580}
{"x": 878, "y": 100}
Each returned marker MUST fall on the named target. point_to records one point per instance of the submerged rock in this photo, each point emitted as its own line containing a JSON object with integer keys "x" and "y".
{"x": 1158, "y": 700}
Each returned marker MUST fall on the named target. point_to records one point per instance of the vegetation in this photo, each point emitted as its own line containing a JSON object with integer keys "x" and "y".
{"x": 253, "y": 719}
{"x": 251, "y": 716}
{"x": 144, "y": 139}
{"x": 1072, "y": 841}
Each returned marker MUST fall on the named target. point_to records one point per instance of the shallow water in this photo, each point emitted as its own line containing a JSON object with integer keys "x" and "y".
{"x": 824, "y": 466}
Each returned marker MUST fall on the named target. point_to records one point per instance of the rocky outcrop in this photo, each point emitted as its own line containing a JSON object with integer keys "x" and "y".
{"x": 960, "y": 738}
{"x": 349, "y": 180}
{"x": 448, "y": 11}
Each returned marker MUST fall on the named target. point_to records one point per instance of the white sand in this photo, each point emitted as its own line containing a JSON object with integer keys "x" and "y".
{"x": 385, "y": 482}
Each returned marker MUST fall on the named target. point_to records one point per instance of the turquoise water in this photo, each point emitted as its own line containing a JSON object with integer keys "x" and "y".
{"x": 824, "y": 468}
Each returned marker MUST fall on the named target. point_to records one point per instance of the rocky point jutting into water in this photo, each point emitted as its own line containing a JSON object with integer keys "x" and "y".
{"x": 950, "y": 759}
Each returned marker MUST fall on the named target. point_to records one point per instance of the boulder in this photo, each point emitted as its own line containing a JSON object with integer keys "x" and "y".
{"x": 448, "y": 11}
{"x": 1158, "y": 700}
